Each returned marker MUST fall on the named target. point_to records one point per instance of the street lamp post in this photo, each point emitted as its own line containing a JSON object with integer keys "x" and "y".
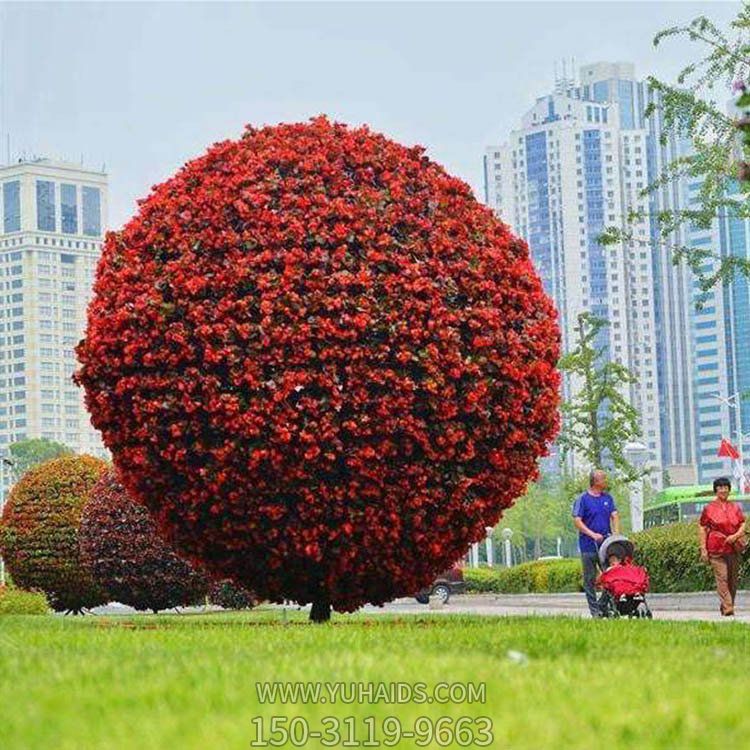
{"x": 474, "y": 555}
{"x": 507, "y": 534}
{"x": 488, "y": 546}
{"x": 636, "y": 453}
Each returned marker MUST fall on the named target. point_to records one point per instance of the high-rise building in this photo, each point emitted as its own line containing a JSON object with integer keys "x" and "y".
{"x": 720, "y": 325}
{"x": 577, "y": 164}
{"x": 52, "y": 216}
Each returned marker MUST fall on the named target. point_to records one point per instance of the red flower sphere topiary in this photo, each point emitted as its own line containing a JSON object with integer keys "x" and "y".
{"x": 120, "y": 546}
{"x": 321, "y": 363}
{"x": 39, "y": 531}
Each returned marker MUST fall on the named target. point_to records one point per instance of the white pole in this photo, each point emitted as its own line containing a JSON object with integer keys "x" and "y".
{"x": 488, "y": 545}
{"x": 475, "y": 555}
{"x": 508, "y": 554}
{"x": 559, "y": 547}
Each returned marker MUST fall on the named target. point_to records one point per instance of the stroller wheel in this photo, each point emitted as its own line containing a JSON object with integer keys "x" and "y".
{"x": 643, "y": 612}
{"x": 608, "y": 607}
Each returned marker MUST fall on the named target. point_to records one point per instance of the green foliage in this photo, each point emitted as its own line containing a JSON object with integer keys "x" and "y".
{"x": 599, "y": 420}
{"x": 672, "y": 556}
{"x": 15, "y": 601}
{"x": 540, "y": 576}
{"x": 28, "y": 453}
{"x": 541, "y": 514}
{"x": 688, "y": 108}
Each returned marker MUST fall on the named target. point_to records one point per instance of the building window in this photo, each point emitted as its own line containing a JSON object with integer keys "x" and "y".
{"x": 12, "y": 206}
{"x": 69, "y": 209}
{"x": 45, "y": 206}
{"x": 91, "y": 211}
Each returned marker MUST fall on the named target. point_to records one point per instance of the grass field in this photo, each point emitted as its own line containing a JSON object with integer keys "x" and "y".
{"x": 189, "y": 682}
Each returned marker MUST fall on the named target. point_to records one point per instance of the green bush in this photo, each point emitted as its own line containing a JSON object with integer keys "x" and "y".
{"x": 672, "y": 557}
{"x": 15, "y": 601}
{"x": 669, "y": 553}
{"x": 541, "y": 576}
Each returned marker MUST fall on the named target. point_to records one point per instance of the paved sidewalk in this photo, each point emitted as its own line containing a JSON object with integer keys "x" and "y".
{"x": 694, "y": 606}
{"x": 697, "y": 606}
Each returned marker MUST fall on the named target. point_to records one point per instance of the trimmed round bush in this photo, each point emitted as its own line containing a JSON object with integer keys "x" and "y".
{"x": 121, "y": 548}
{"x": 228, "y": 595}
{"x": 39, "y": 531}
{"x": 321, "y": 363}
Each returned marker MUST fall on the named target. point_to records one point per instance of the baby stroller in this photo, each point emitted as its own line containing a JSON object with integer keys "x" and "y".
{"x": 624, "y": 585}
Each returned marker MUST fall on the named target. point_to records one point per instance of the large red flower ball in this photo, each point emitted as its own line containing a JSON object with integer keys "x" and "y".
{"x": 321, "y": 363}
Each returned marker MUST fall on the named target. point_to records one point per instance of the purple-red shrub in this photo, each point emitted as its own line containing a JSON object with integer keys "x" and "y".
{"x": 229, "y": 595}
{"x": 121, "y": 548}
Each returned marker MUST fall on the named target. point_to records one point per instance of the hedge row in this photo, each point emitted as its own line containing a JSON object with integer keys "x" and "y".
{"x": 672, "y": 556}
{"x": 545, "y": 576}
{"x": 15, "y": 601}
{"x": 670, "y": 553}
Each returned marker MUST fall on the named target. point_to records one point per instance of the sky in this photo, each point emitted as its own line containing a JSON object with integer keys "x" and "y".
{"x": 143, "y": 87}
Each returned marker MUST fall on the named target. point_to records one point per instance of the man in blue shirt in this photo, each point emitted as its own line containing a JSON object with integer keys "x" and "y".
{"x": 595, "y": 516}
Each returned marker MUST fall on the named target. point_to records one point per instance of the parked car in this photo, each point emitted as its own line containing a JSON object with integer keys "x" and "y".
{"x": 447, "y": 583}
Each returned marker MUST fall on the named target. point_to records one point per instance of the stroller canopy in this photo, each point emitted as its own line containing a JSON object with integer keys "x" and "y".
{"x": 619, "y": 545}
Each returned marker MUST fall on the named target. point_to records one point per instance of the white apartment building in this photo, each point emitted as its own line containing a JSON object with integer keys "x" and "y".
{"x": 574, "y": 166}
{"x": 52, "y": 216}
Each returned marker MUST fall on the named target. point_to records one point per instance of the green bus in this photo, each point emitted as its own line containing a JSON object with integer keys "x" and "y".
{"x": 683, "y": 504}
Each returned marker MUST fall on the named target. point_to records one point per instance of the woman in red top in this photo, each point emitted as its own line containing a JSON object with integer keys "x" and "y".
{"x": 722, "y": 538}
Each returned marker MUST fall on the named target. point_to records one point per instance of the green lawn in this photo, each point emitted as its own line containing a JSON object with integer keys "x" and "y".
{"x": 188, "y": 682}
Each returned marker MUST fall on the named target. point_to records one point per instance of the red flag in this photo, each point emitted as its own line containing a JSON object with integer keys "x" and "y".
{"x": 727, "y": 450}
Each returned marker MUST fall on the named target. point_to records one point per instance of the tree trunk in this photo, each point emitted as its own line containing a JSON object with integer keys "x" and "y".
{"x": 321, "y": 610}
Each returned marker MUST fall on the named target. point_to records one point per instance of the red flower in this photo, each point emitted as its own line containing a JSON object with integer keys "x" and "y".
{"x": 321, "y": 363}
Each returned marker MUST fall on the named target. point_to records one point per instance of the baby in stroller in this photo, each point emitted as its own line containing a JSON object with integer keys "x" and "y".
{"x": 624, "y": 585}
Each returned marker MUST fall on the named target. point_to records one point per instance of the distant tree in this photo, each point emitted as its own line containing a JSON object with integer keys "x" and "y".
{"x": 599, "y": 420}
{"x": 719, "y": 158}
{"x": 541, "y": 514}
{"x": 28, "y": 453}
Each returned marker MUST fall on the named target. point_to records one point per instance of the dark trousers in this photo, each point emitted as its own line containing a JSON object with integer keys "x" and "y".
{"x": 591, "y": 565}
